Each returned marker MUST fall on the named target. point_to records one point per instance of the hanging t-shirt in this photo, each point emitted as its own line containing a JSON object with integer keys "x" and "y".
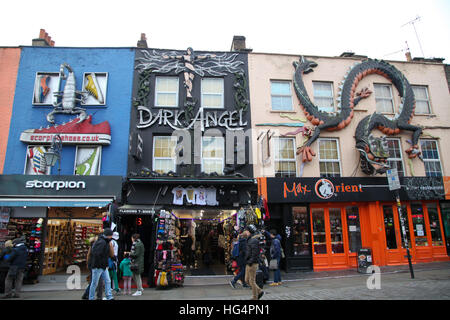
{"x": 211, "y": 197}
{"x": 178, "y": 194}
{"x": 190, "y": 195}
{"x": 200, "y": 196}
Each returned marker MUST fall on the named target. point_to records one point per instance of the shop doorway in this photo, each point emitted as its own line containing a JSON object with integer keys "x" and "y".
{"x": 445, "y": 210}
{"x": 301, "y": 256}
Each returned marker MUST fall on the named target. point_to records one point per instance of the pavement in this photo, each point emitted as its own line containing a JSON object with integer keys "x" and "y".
{"x": 432, "y": 281}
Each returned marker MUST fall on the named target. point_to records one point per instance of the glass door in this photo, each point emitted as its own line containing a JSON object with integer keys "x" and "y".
{"x": 319, "y": 233}
{"x": 301, "y": 238}
{"x": 445, "y": 212}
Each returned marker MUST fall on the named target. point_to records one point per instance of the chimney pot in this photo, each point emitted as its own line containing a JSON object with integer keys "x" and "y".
{"x": 238, "y": 44}
{"x": 143, "y": 42}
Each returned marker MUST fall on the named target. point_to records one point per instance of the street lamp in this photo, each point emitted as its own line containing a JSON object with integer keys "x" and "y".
{"x": 54, "y": 153}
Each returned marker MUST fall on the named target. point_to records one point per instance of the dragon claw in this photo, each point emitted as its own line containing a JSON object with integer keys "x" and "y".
{"x": 364, "y": 93}
{"x": 414, "y": 152}
{"x": 307, "y": 153}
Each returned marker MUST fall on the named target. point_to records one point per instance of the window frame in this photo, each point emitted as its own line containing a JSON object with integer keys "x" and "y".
{"x": 432, "y": 160}
{"x": 166, "y": 92}
{"x": 99, "y": 160}
{"x": 202, "y": 93}
{"x": 164, "y": 158}
{"x": 208, "y": 158}
{"x": 276, "y": 154}
{"x": 427, "y": 100}
{"x": 333, "y": 105}
{"x": 385, "y": 99}
{"x": 328, "y": 160}
{"x": 401, "y": 156}
{"x": 281, "y": 95}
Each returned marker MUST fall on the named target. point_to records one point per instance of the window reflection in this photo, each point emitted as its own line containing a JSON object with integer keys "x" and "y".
{"x": 320, "y": 242}
{"x": 418, "y": 220}
{"x": 389, "y": 227}
{"x": 337, "y": 242}
{"x": 435, "y": 226}
{"x": 300, "y": 231}
{"x": 354, "y": 230}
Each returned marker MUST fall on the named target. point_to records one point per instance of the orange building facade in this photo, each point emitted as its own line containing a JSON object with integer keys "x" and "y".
{"x": 9, "y": 65}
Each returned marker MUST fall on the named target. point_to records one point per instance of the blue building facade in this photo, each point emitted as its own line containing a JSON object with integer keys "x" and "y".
{"x": 113, "y": 68}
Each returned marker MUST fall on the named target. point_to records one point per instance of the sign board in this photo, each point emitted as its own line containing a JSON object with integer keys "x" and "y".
{"x": 393, "y": 180}
{"x": 364, "y": 259}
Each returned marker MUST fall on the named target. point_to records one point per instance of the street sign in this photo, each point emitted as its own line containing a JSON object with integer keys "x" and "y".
{"x": 393, "y": 180}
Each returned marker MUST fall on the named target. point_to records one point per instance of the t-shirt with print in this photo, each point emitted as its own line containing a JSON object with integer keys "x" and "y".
{"x": 190, "y": 195}
{"x": 211, "y": 197}
{"x": 178, "y": 194}
{"x": 200, "y": 196}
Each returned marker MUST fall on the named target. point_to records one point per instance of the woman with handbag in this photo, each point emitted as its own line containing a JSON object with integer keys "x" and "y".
{"x": 275, "y": 257}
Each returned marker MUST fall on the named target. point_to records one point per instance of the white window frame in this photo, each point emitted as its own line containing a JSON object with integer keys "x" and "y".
{"x": 174, "y": 168}
{"x": 49, "y": 169}
{"x": 276, "y": 153}
{"x": 432, "y": 160}
{"x": 331, "y": 97}
{"x": 427, "y": 100}
{"x": 157, "y": 78}
{"x": 209, "y": 93}
{"x": 386, "y": 99}
{"x": 207, "y": 158}
{"x": 99, "y": 148}
{"x": 328, "y": 160}
{"x": 281, "y": 95}
{"x": 401, "y": 155}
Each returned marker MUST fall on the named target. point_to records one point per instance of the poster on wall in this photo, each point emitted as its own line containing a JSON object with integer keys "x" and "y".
{"x": 88, "y": 161}
{"x": 35, "y": 162}
{"x": 45, "y": 85}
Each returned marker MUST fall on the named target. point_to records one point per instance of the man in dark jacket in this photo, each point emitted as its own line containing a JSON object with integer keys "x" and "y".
{"x": 18, "y": 262}
{"x": 252, "y": 260}
{"x": 4, "y": 264}
{"x": 100, "y": 252}
{"x": 241, "y": 262}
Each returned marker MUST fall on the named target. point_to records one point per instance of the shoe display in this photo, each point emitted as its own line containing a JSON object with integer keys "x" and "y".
{"x": 71, "y": 132}
{"x": 93, "y": 88}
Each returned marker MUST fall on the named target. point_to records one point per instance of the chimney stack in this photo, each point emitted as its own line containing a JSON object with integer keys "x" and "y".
{"x": 408, "y": 56}
{"x": 44, "y": 40}
{"x": 238, "y": 44}
{"x": 143, "y": 42}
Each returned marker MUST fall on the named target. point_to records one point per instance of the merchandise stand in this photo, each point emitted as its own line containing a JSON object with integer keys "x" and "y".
{"x": 168, "y": 268}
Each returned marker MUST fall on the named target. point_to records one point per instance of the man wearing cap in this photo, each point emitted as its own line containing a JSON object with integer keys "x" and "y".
{"x": 101, "y": 251}
{"x": 252, "y": 258}
{"x": 113, "y": 262}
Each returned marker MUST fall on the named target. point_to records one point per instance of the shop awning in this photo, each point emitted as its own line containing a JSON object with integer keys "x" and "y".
{"x": 55, "y": 202}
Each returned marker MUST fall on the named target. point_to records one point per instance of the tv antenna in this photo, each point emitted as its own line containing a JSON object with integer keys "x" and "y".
{"x": 412, "y": 22}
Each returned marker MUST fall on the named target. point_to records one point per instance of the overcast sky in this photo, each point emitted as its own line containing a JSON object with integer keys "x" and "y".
{"x": 318, "y": 27}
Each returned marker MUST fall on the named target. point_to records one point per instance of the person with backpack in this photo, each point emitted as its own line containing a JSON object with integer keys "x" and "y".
{"x": 101, "y": 284}
{"x": 18, "y": 261}
{"x": 252, "y": 259}
{"x": 137, "y": 262}
{"x": 239, "y": 254}
{"x": 101, "y": 251}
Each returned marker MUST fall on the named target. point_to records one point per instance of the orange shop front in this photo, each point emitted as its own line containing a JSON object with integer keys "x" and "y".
{"x": 327, "y": 220}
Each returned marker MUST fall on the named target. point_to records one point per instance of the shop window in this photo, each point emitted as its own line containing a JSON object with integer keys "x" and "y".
{"x": 406, "y": 224}
{"x": 320, "y": 240}
{"x": 435, "y": 226}
{"x": 281, "y": 96}
{"x": 354, "y": 229}
{"x": 395, "y": 160}
{"x": 212, "y": 93}
{"x": 329, "y": 158}
{"x": 164, "y": 158}
{"x": 284, "y": 151}
{"x": 166, "y": 92}
{"x": 389, "y": 227}
{"x": 431, "y": 158}
{"x": 88, "y": 161}
{"x": 418, "y": 219}
{"x": 383, "y": 98}
{"x": 422, "y": 100}
{"x": 323, "y": 96}
{"x": 301, "y": 236}
{"x": 35, "y": 162}
{"x": 337, "y": 242}
{"x": 213, "y": 154}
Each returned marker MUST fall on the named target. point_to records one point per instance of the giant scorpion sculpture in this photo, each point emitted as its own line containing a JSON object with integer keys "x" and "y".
{"x": 373, "y": 151}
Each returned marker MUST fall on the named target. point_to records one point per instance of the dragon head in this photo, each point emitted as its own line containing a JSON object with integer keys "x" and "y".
{"x": 305, "y": 65}
{"x": 374, "y": 154}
